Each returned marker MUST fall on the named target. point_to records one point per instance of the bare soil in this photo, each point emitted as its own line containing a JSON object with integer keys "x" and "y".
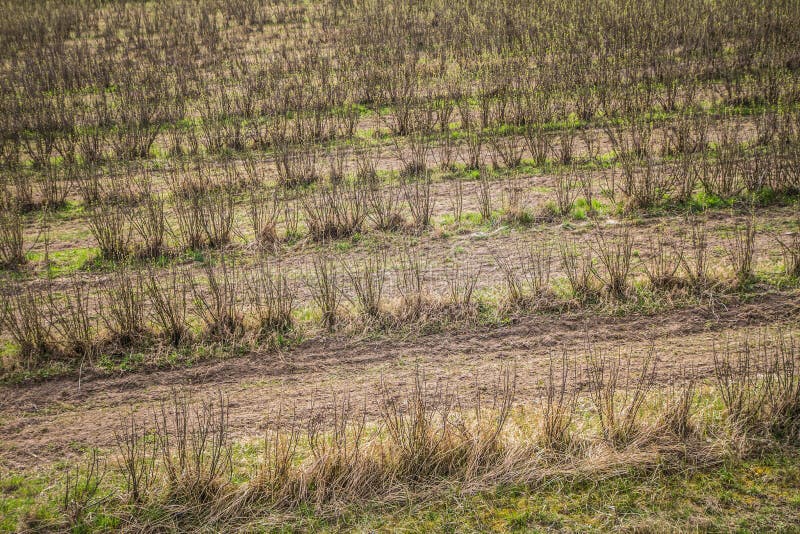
{"x": 46, "y": 422}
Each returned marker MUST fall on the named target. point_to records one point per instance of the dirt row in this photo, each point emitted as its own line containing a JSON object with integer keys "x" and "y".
{"x": 74, "y": 232}
{"x": 476, "y": 248}
{"x": 45, "y": 422}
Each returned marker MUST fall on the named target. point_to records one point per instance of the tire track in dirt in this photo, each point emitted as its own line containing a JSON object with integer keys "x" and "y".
{"x": 44, "y": 422}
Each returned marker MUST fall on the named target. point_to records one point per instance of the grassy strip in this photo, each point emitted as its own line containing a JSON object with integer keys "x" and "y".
{"x": 666, "y": 464}
{"x": 752, "y": 495}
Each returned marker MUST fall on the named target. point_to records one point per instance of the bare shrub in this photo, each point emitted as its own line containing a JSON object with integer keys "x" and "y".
{"x": 411, "y": 285}
{"x": 24, "y": 317}
{"x": 686, "y": 177}
{"x": 217, "y": 215}
{"x": 696, "y": 263}
{"x": 720, "y": 176}
{"x": 108, "y": 222}
{"x": 336, "y": 438}
{"x": 482, "y": 440}
{"x": 384, "y": 208}
{"x": 367, "y": 165}
{"x": 81, "y": 490}
{"x": 513, "y": 204}
{"x": 618, "y": 393}
{"x": 473, "y": 154}
{"x": 368, "y": 279}
{"x": 55, "y": 185}
{"x": 645, "y": 184}
{"x": 513, "y": 280}
{"x": 784, "y": 385}
{"x": 418, "y": 196}
{"x": 566, "y": 146}
{"x": 123, "y": 307}
{"x": 592, "y": 143}
{"x": 189, "y": 214}
{"x": 417, "y": 425}
{"x": 336, "y": 163}
{"x": 430, "y": 436}
{"x": 566, "y": 191}
{"x": 741, "y": 251}
{"x": 760, "y": 386}
{"x": 538, "y": 112}
{"x": 587, "y": 188}
{"x": 415, "y": 155}
{"x": 687, "y": 134}
{"x": 325, "y": 290}
{"x": 633, "y": 141}
{"x": 447, "y": 151}
{"x": 204, "y": 207}
{"x": 484, "y": 193}
{"x": 271, "y": 299}
{"x": 291, "y": 219}
{"x": 336, "y": 211}
{"x": 137, "y": 459}
{"x": 508, "y": 150}
{"x": 790, "y": 247}
{"x": 148, "y": 221}
{"x": 73, "y": 320}
{"x": 296, "y": 166}
{"x": 263, "y": 211}
{"x": 526, "y": 275}
{"x": 614, "y": 254}
{"x": 662, "y": 262}
{"x": 457, "y": 201}
{"x": 461, "y": 282}
{"x": 12, "y": 235}
{"x": 676, "y": 417}
{"x": 137, "y": 115}
{"x": 559, "y": 404}
{"x": 194, "y": 447}
{"x": 216, "y": 300}
{"x": 577, "y": 264}
{"x": 538, "y": 143}
{"x": 89, "y": 185}
{"x": 168, "y": 303}
{"x": 23, "y": 194}
{"x": 274, "y": 480}
{"x": 537, "y": 262}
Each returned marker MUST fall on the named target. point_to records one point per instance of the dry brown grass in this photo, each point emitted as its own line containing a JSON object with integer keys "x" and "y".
{"x": 432, "y": 434}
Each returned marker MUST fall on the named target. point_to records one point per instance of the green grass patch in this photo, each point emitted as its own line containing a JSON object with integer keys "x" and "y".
{"x": 745, "y": 496}
{"x": 755, "y": 495}
{"x": 63, "y": 262}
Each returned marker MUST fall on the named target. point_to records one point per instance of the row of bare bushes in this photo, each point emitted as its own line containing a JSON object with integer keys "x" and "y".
{"x": 639, "y": 146}
{"x": 227, "y": 302}
{"x": 129, "y": 216}
{"x": 598, "y": 415}
{"x": 113, "y": 79}
{"x": 543, "y": 129}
